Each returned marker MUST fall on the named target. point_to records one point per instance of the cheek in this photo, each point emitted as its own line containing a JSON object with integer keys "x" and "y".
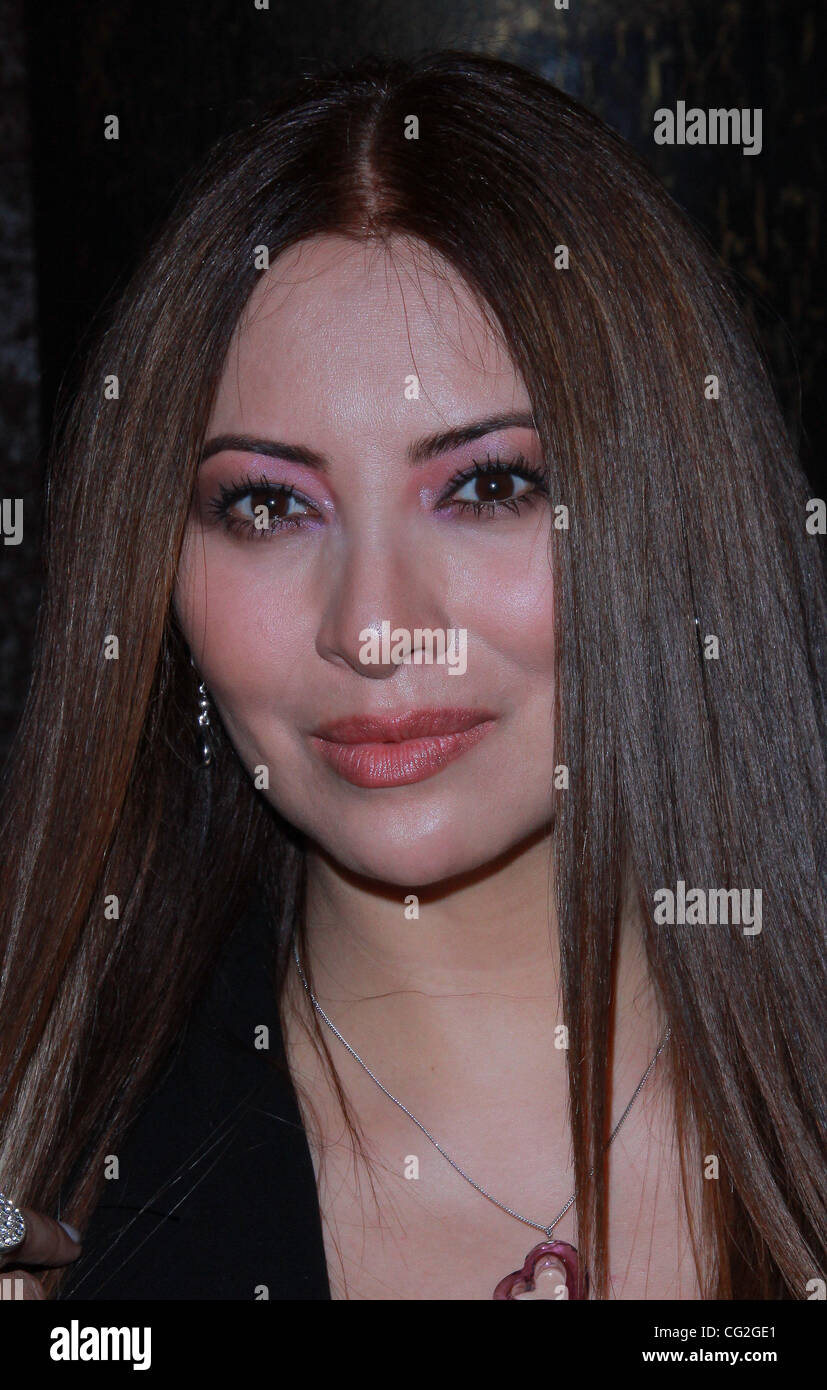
{"x": 509, "y": 609}
{"x": 243, "y": 629}
{"x": 527, "y": 626}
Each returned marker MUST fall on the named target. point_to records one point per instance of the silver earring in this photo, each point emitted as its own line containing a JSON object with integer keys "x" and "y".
{"x": 204, "y": 724}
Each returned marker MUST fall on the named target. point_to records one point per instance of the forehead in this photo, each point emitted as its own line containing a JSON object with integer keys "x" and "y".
{"x": 335, "y": 319}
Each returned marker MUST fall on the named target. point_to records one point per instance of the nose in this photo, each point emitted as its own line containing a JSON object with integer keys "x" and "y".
{"x": 379, "y": 580}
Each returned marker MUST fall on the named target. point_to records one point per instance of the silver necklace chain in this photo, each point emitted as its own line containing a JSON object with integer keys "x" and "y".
{"x": 537, "y": 1225}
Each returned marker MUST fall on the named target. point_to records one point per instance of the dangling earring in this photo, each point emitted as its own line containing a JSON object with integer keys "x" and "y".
{"x": 204, "y": 724}
{"x": 203, "y": 719}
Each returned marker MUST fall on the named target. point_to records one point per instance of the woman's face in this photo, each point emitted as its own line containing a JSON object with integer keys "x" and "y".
{"x": 371, "y": 607}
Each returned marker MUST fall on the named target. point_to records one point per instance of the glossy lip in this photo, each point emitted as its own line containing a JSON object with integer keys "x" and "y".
{"x": 396, "y": 750}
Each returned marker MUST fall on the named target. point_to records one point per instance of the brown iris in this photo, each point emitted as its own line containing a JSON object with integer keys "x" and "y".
{"x": 494, "y": 487}
{"x": 277, "y": 503}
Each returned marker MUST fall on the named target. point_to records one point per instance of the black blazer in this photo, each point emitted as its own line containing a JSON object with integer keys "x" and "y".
{"x": 216, "y": 1197}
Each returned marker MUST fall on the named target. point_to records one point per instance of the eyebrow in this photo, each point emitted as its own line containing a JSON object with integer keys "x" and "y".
{"x": 422, "y": 449}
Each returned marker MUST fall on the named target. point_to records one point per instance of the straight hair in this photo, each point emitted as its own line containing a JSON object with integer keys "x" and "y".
{"x": 686, "y": 514}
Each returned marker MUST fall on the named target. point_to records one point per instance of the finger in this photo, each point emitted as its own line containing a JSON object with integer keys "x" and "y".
{"x": 46, "y": 1242}
{"x": 19, "y": 1284}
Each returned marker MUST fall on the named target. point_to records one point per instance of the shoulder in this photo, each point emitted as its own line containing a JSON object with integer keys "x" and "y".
{"x": 212, "y": 1194}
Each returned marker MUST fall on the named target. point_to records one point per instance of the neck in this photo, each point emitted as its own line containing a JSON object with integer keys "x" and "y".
{"x": 482, "y": 954}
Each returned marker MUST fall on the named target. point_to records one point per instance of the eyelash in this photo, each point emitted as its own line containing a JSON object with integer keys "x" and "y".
{"x": 219, "y": 506}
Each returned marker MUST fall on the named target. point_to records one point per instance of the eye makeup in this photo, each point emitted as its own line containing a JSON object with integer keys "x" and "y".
{"x": 495, "y": 486}
{"x": 282, "y": 502}
{"x": 491, "y": 478}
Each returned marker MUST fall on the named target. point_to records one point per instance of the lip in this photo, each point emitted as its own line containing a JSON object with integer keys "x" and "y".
{"x": 399, "y": 749}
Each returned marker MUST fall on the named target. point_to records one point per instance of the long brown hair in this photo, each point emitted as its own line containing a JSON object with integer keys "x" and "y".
{"x": 681, "y": 506}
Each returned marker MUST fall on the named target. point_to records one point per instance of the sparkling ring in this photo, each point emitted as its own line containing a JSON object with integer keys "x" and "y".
{"x": 12, "y": 1226}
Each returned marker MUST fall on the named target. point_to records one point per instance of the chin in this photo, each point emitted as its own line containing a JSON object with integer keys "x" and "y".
{"x": 408, "y": 838}
{"x": 408, "y": 869}
{"x": 411, "y": 860}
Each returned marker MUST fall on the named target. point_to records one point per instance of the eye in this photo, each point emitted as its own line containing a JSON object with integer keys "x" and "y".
{"x": 259, "y": 508}
{"x": 488, "y": 486}
{"x": 278, "y": 504}
{"x": 495, "y": 485}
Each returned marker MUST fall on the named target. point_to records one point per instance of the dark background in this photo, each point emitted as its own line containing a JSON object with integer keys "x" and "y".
{"x": 76, "y": 211}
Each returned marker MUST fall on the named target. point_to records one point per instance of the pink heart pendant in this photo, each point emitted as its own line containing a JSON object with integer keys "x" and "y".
{"x": 540, "y": 1275}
